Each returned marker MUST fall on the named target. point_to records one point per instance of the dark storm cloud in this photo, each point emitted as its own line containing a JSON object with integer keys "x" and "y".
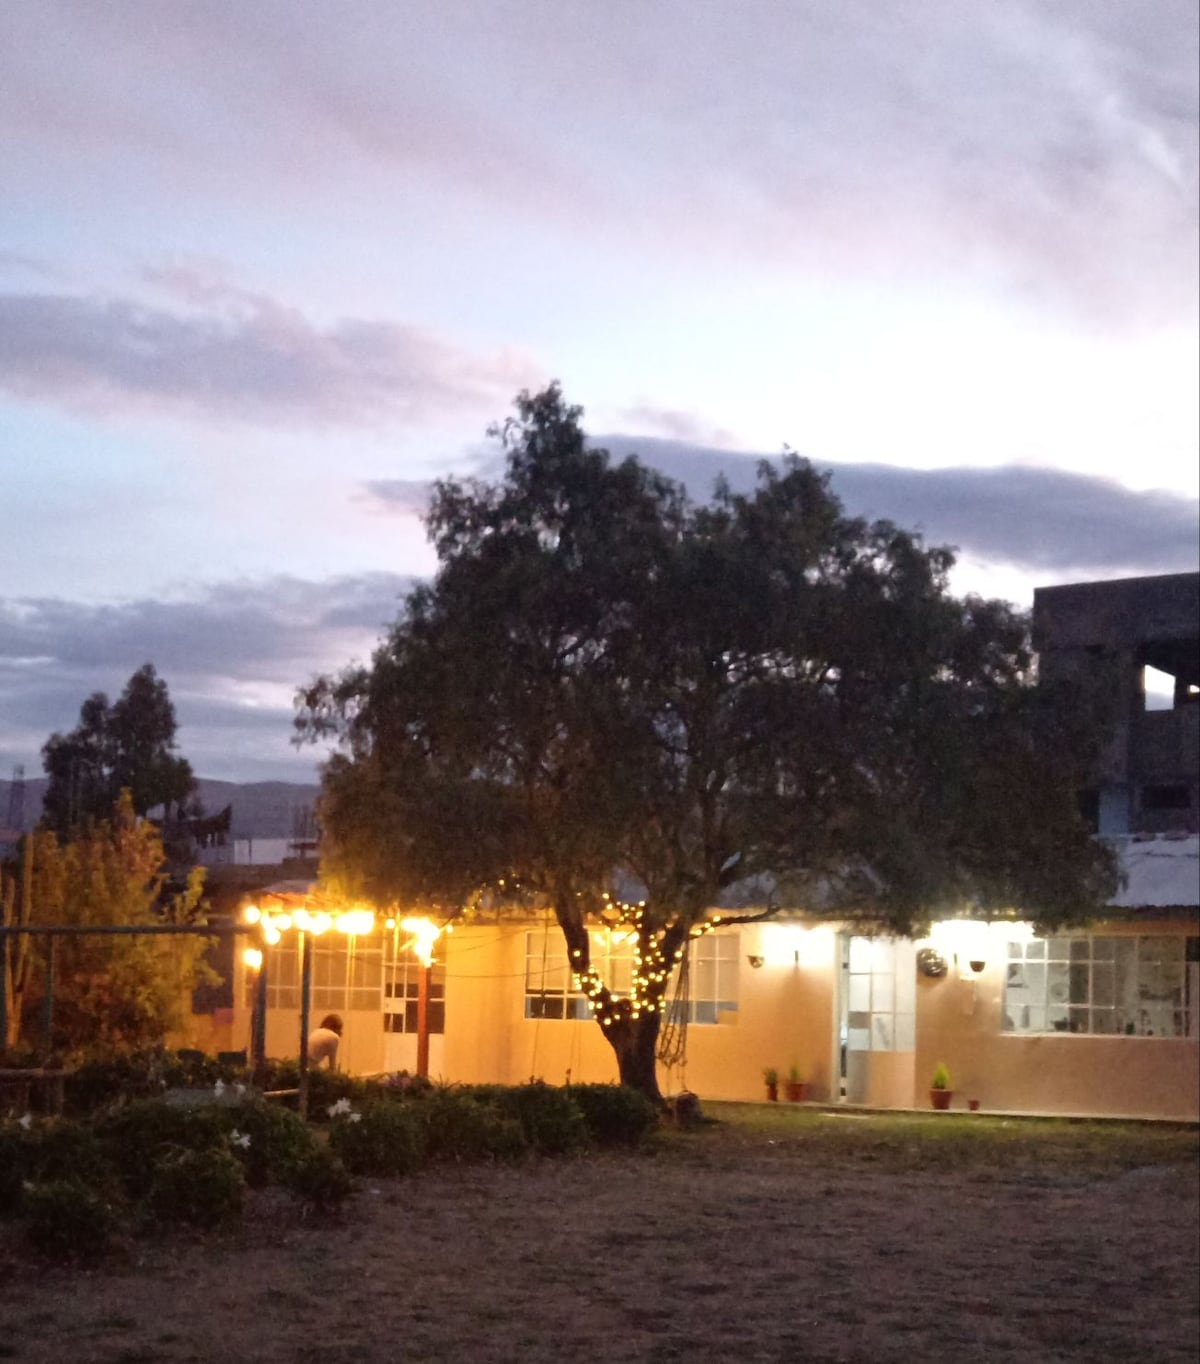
{"x": 243, "y": 358}
{"x": 1043, "y": 521}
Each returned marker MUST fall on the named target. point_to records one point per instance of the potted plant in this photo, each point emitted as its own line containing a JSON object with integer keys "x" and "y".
{"x": 940, "y": 1092}
{"x": 795, "y": 1085}
{"x": 771, "y": 1076}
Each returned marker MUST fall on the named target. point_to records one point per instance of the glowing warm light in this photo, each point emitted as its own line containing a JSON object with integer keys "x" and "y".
{"x": 271, "y": 934}
{"x": 301, "y": 919}
{"x": 251, "y": 914}
{"x": 390, "y": 923}
{"x": 354, "y": 921}
{"x": 968, "y": 940}
{"x": 252, "y": 957}
{"x": 425, "y": 934}
{"x": 319, "y": 923}
{"x": 282, "y": 921}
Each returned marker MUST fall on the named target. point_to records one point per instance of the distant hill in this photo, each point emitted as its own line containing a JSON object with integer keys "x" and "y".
{"x": 261, "y": 809}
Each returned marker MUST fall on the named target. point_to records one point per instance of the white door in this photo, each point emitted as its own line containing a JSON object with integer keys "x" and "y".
{"x": 878, "y": 1019}
{"x": 401, "y": 983}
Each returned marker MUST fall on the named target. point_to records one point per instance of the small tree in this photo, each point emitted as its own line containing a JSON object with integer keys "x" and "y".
{"x": 127, "y": 745}
{"x": 605, "y": 678}
{"x": 112, "y": 992}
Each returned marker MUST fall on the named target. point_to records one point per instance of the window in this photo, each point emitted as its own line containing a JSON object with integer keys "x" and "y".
{"x": 1173, "y": 797}
{"x": 881, "y": 1004}
{"x": 346, "y": 974}
{"x": 1103, "y": 986}
{"x": 401, "y": 986}
{"x": 551, "y": 990}
{"x": 712, "y": 980}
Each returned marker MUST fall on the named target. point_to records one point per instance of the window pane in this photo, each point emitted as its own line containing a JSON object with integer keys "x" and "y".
{"x": 1080, "y": 949}
{"x": 1103, "y": 992}
{"x": 1079, "y": 984}
{"x": 1079, "y": 1020}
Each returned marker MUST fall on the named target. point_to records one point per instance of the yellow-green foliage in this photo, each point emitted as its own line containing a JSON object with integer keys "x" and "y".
{"x": 114, "y": 991}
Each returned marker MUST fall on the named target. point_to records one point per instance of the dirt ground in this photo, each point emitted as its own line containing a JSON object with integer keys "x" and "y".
{"x": 748, "y": 1250}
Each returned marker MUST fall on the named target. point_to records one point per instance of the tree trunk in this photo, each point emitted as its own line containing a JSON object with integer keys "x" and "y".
{"x": 634, "y": 1040}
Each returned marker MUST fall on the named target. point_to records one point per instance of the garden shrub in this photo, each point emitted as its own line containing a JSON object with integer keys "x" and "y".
{"x": 201, "y": 1187}
{"x": 550, "y": 1121}
{"x": 59, "y": 1149}
{"x": 321, "y": 1179}
{"x": 269, "y": 1140}
{"x": 136, "y": 1137}
{"x": 615, "y": 1115}
{"x": 463, "y": 1127}
{"x": 66, "y": 1220}
{"x": 383, "y": 1139}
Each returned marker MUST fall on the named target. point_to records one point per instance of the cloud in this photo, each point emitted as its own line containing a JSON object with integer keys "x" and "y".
{"x": 1046, "y": 145}
{"x": 232, "y": 656}
{"x": 246, "y": 359}
{"x": 1041, "y": 520}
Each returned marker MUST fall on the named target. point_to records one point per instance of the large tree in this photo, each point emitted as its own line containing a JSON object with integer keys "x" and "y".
{"x": 608, "y": 681}
{"x": 128, "y": 745}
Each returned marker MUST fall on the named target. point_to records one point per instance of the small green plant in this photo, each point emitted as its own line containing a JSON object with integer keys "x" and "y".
{"x": 269, "y": 1140}
{"x": 384, "y": 1139}
{"x": 615, "y": 1115}
{"x": 65, "y": 1220}
{"x": 462, "y": 1128}
{"x": 203, "y": 1188}
{"x": 321, "y": 1180}
{"x": 550, "y": 1120}
{"x": 136, "y": 1137}
{"x": 770, "y": 1075}
{"x": 794, "y": 1076}
{"x": 941, "y": 1077}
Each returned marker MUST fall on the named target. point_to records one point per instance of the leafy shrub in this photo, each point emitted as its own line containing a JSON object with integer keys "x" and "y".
{"x": 270, "y": 1141}
{"x": 136, "y": 1138}
{"x": 615, "y": 1115}
{"x": 321, "y": 1179}
{"x": 551, "y": 1123}
{"x": 325, "y": 1087}
{"x": 384, "y": 1139}
{"x": 200, "y": 1187}
{"x": 105, "y": 1080}
{"x": 61, "y": 1149}
{"x": 463, "y": 1127}
{"x": 66, "y": 1220}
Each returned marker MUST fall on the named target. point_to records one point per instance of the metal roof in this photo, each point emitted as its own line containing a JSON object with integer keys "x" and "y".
{"x": 1160, "y": 872}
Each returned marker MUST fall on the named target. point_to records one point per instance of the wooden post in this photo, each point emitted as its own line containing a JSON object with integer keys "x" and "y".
{"x": 305, "y": 945}
{"x": 423, "y": 979}
{"x": 258, "y": 1023}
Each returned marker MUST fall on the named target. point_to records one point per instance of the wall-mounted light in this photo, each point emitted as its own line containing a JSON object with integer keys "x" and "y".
{"x": 755, "y": 960}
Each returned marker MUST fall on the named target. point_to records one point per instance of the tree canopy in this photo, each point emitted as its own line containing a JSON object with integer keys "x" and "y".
{"x": 110, "y": 992}
{"x": 126, "y": 745}
{"x": 606, "y": 680}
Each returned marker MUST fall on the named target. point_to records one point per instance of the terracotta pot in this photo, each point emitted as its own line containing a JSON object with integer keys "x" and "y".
{"x": 773, "y": 1093}
{"x": 795, "y": 1091}
{"x": 940, "y": 1098}
{"x": 973, "y": 1105}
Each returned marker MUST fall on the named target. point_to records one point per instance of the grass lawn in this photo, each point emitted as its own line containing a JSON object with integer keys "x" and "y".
{"x": 775, "y": 1233}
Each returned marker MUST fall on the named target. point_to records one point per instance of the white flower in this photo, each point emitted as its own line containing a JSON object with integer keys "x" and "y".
{"x": 241, "y": 1139}
{"x": 354, "y": 1117}
{"x": 26, "y": 1122}
{"x": 239, "y": 1089}
{"x": 342, "y": 1106}
{"x": 219, "y": 1087}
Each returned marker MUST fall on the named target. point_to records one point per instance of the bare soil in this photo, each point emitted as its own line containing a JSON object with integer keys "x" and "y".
{"x": 739, "y": 1247}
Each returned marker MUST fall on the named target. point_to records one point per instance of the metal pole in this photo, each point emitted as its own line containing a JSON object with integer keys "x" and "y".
{"x": 4, "y": 959}
{"x": 48, "y": 1000}
{"x": 423, "y": 978}
{"x": 305, "y": 946}
{"x": 258, "y": 1023}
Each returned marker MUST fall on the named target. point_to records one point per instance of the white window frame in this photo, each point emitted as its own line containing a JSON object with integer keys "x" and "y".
{"x": 553, "y": 995}
{"x": 1102, "y": 985}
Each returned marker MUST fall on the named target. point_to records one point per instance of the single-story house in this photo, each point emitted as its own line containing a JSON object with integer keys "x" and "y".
{"x": 1102, "y": 1021}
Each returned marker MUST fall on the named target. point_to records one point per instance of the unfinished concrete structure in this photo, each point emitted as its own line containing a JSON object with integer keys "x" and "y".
{"x": 1143, "y": 635}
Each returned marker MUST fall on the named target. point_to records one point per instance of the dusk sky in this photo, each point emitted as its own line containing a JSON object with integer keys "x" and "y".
{"x": 266, "y": 269}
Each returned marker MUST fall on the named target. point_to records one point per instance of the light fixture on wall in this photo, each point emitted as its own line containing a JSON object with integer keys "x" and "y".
{"x": 931, "y": 963}
{"x": 755, "y": 960}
